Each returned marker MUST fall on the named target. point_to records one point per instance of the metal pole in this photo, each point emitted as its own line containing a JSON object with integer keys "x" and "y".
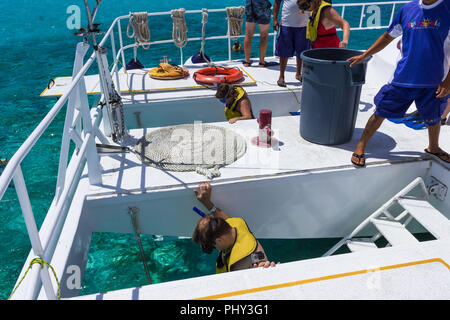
{"x": 133, "y": 213}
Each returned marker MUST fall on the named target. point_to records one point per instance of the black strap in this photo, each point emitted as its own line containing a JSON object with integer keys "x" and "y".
{"x": 326, "y": 35}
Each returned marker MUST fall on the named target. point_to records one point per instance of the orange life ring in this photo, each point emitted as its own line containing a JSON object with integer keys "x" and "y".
{"x": 223, "y": 74}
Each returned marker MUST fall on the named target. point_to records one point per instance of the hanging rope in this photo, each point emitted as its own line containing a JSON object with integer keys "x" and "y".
{"x": 179, "y": 32}
{"x": 141, "y": 32}
{"x": 42, "y": 262}
{"x": 235, "y": 18}
{"x": 202, "y": 49}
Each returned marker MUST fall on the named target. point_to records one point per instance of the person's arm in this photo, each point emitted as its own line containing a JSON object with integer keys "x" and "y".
{"x": 245, "y": 108}
{"x": 276, "y": 10}
{"x": 332, "y": 18}
{"x": 203, "y": 194}
{"x": 444, "y": 88}
{"x": 379, "y": 45}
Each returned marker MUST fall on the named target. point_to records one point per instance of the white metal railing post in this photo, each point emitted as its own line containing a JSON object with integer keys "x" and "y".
{"x": 362, "y": 16}
{"x": 121, "y": 44}
{"x": 81, "y": 50}
{"x": 392, "y": 14}
{"x": 115, "y": 67}
{"x": 92, "y": 158}
{"x": 229, "y": 40}
{"x": 33, "y": 233}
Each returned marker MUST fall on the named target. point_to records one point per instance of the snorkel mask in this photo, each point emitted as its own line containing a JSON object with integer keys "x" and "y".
{"x": 224, "y": 99}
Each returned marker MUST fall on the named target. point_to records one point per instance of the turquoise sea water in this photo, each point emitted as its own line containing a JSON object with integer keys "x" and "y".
{"x": 36, "y": 46}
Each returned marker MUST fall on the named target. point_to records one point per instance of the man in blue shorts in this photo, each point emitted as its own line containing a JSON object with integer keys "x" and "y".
{"x": 291, "y": 37}
{"x": 257, "y": 12}
{"x": 424, "y": 26}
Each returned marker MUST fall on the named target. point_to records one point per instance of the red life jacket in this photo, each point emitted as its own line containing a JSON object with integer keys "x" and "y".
{"x": 326, "y": 38}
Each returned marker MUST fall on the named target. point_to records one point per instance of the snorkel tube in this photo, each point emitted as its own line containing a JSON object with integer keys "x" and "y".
{"x": 199, "y": 212}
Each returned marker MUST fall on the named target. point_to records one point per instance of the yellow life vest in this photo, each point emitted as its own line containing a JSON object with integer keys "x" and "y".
{"x": 230, "y": 113}
{"x": 313, "y": 23}
{"x": 244, "y": 245}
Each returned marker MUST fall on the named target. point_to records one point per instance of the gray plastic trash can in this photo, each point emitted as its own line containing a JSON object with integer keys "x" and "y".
{"x": 330, "y": 95}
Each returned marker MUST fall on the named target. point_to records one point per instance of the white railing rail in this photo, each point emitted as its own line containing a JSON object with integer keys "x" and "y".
{"x": 372, "y": 8}
{"x": 369, "y": 8}
{"x": 81, "y": 127}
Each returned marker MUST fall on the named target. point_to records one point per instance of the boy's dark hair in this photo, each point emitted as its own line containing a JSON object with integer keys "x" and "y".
{"x": 208, "y": 230}
{"x": 223, "y": 90}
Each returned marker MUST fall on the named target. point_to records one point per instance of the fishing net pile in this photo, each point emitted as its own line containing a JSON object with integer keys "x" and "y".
{"x": 198, "y": 147}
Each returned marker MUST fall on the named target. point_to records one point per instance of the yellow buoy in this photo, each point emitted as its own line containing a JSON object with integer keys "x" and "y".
{"x": 166, "y": 71}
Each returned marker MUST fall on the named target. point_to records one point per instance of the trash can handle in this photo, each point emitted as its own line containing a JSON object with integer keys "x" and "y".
{"x": 363, "y": 66}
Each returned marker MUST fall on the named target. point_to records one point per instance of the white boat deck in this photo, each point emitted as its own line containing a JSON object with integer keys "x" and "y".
{"x": 420, "y": 271}
{"x": 144, "y": 88}
{"x": 392, "y": 143}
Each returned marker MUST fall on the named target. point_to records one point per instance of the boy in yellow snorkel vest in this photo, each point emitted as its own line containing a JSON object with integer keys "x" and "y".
{"x": 237, "y": 103}
{"x": 238, "y": 248}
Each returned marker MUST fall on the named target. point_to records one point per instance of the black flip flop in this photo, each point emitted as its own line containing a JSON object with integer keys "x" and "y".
{"x": 438, "y": 155}
{"x": 281, "y": 83}
{"x": 266, "y": 64}
{"x": 359, "y": 157}
{"x": 246, "y": 63}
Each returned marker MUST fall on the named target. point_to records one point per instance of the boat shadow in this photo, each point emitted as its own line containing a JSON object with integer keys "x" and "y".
{"x": 380, "y": 146}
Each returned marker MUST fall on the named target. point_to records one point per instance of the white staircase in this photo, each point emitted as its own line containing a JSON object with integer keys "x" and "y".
{"x": 393, "y": 229}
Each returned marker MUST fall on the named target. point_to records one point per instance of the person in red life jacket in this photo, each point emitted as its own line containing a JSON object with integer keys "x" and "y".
{"x": 321, "y": 28}
{"x": 238, "y": 248}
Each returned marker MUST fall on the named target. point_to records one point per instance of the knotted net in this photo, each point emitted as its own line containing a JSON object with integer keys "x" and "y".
{"x": 196, "y": 147}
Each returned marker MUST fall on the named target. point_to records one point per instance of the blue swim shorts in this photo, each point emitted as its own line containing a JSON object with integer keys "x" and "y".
{"x": 393, "y": 101}
{"x": 258, "y": 11}
{"x": 291, "y": 40}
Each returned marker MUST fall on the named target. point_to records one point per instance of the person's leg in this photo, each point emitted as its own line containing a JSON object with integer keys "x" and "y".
{"x": 283, "y": 64}
{"x": 284, "y": 49}
{"x": 264, "y": 39}
{"x": 445, "y": 114}
{"x": 433, "y": 143}
{"x": 372, "y": 126}
{"x": 431, "y": 109}
{"x": 300, "y": 44}
{"x": 249, "y": 32}
{"x": 298, "y": 73}
{"x": 391, "y": 102}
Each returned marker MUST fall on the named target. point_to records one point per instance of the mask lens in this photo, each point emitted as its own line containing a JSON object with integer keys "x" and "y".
{"x": 223, "y": 100}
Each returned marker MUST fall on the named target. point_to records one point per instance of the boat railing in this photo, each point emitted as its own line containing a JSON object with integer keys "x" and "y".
{"x": 81, "y": 127}
{"x": 369, "y": 10}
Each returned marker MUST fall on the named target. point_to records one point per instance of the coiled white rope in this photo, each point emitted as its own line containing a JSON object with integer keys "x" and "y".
{"x": 198, "y": 147}
{"x": 141, "y": 32}
{"x": 179, "y": 31}
{"x": 235, "y": 18}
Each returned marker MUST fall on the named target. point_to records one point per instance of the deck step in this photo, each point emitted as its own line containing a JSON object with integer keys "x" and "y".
{"x": 434, "y": 221}
{"x": 357, "y": 245}
{"x": 394, "y": 232}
